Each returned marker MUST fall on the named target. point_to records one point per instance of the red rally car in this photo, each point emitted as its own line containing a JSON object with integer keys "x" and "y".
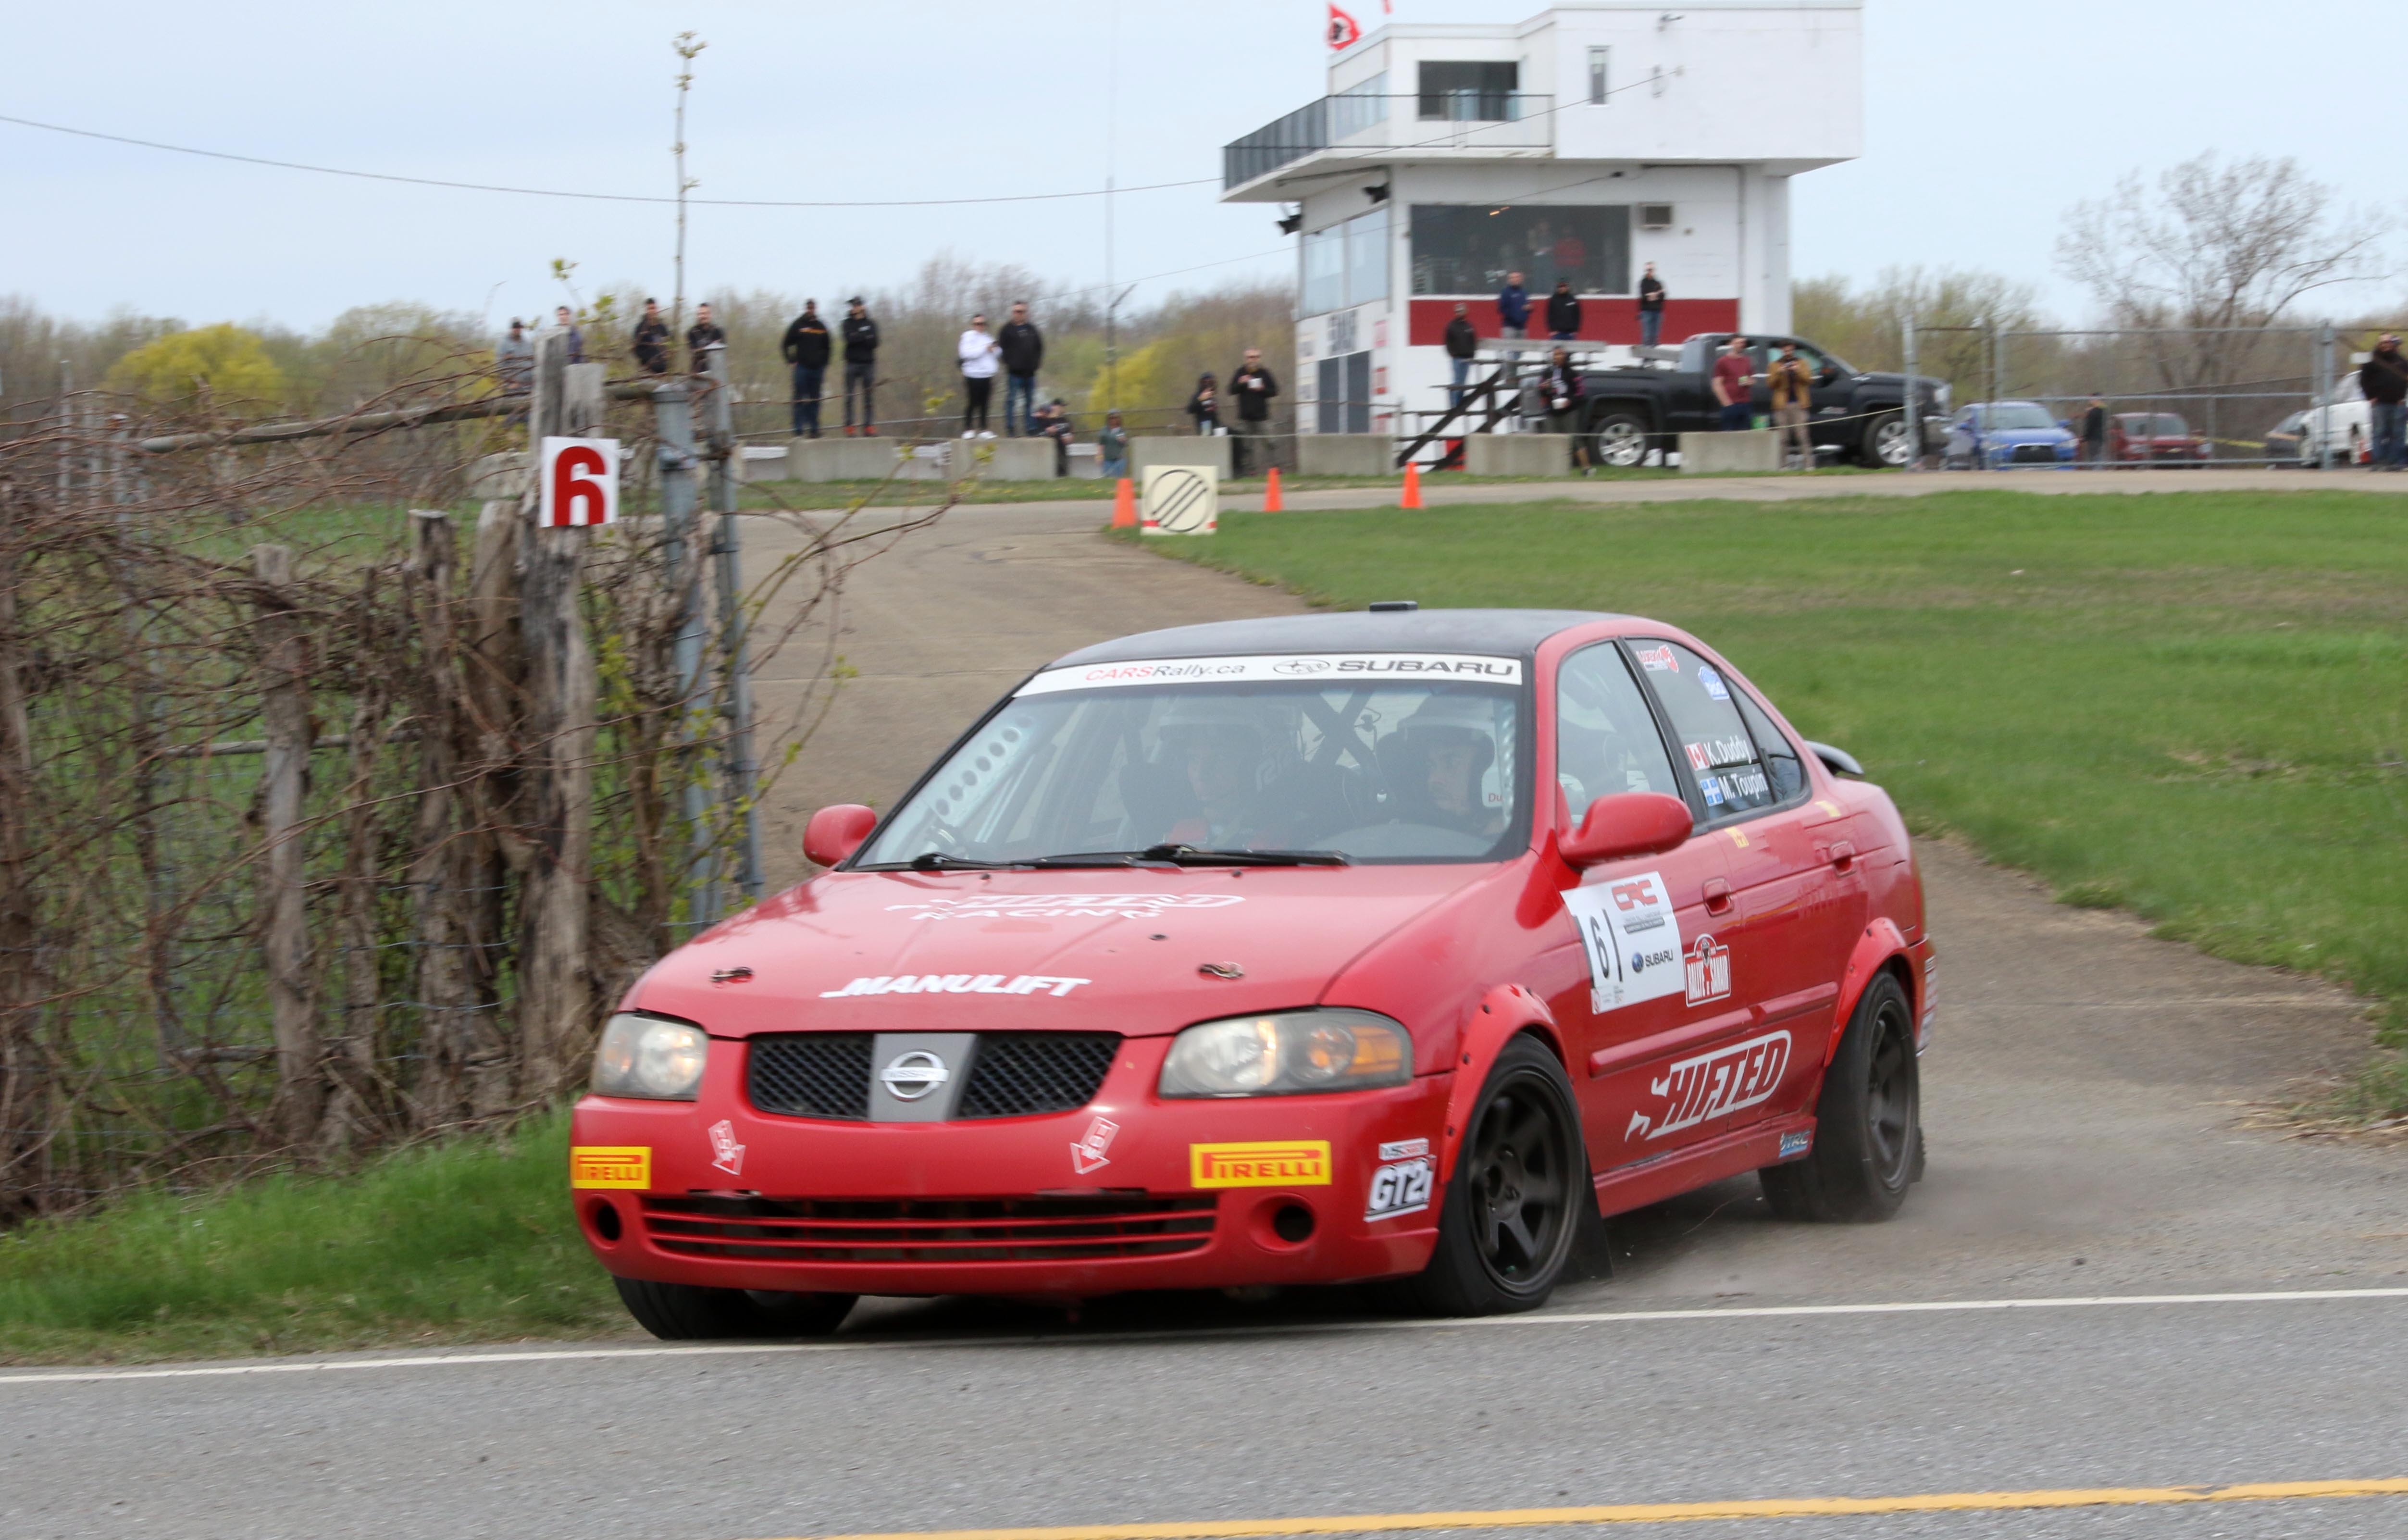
{"x": 1396, "y": 944}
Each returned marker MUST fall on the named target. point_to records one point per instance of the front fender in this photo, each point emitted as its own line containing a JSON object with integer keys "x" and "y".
{"x": 1880, "y": 942}
{"x": 1505, "y": 1013}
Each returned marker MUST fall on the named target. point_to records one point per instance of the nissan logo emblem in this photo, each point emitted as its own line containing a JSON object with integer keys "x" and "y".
{"x": 913, "y": 1076}
{"x": 1302, "y": 666}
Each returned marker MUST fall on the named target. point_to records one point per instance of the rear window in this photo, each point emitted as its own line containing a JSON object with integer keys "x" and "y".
{"x": 1721, "y": 755}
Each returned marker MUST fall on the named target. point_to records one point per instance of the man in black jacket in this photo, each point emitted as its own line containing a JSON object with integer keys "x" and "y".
{"x": 1023, "y": 349}
{"x": 860, "y": 366}
{"x": 805, "y": 348}
{"x": 1462, "y": 342}
{"x": 703, "y": 336}
{"x": 2383, "y": 379}
{"x": 1651, "y": 308}
{"x": 1563, "y": 313}
{"x": 653, "y": 340}
{"x": 1253, "y": 387}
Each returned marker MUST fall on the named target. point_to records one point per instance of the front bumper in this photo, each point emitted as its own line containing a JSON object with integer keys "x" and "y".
{"x": 1018, "y": 1205}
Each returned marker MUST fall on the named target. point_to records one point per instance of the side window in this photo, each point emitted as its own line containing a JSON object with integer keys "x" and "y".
{"x": 1606, "y": 739}
{"x": 1722, "y": 759}
{"x": 1779, "y": 756}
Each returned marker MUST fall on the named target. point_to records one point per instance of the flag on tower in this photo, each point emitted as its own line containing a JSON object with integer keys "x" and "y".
{"x": 1343, "y": 31}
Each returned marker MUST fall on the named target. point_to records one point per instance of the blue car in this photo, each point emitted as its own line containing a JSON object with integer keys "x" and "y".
{"x": 2000, "y": 435}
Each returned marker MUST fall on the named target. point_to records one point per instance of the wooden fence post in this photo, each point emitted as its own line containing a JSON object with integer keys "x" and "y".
{"x": 23, "y": 1073}
{"x": 284, "y": 927}
{"x": 554, "y": 965}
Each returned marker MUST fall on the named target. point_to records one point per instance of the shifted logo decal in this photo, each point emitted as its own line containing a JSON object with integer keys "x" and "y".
{"x": 957, "y": 984}
{"x": 628, "y": 1166}
{"x": 1710, "y": 966}
{"x": 1063, "y": 906}
{"x": 910, "y": 1076}
{"x": 1728, "y": 1080}
{"x": 1087, "y": 1153}
{"x": 1260, "y": 1163}
{"x": 725, "y": 1153}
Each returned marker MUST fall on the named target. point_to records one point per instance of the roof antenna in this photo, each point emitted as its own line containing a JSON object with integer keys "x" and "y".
{"x": 1395, "y": 607}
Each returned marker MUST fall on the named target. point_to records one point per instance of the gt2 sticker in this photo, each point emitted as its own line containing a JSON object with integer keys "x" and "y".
{"x": 1728, "y": 1080}
{"x": 1631, "y": 937}
{"x": 1063, "y": 906}
{"x": 1658, "y": 660}
{"x": 725, "y": 1153}
{"x": 1087, "y": 1153}
{"x": 1400, "y": 1187}
{"x": 1709, "y": 971}
{"x": 956, "y": 984}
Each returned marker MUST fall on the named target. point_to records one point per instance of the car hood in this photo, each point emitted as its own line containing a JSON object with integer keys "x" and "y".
{"x": 1030, "y": 951}
{"x": 2004, "y": 437}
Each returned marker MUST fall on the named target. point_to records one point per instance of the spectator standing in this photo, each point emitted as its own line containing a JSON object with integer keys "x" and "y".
{"x": 1731, "y": 381}
{"x": 1205, "y": 405}
{"x": 1111, "y": 448}
{"x": 1651, "y": 308}
{"x": 567, "y": 322}
{"x": 1253, "y": 387}
{"x": 2384, "y": 380}
{"x": 806, "y": 347}
{"x": 2094, "y": 430}
{"x": 1055, "y": 423}
{"x": 514, "y": 360}
{"x": 653, "y": 340}
{"x": 701, "y": 336}
{"x": 1563, "y": 312}
{"x": 1462, "y": 344}
{"x": 979, "y": 352}
{"x": 860, "y": 334}
{"x": 1024, "y": 352}
{"x": 1513, "y": 308}
{"x": 1559, "y": 387}
{"x": 1793, "y": 391}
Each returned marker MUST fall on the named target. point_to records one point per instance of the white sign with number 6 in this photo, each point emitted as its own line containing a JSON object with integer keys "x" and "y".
{"x": 579, "y": 482}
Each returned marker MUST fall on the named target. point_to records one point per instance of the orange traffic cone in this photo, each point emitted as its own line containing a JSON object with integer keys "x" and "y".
{"x": 1412, "y": 498}
{"x": 1124, "y": 506}
{"x": 1272, "y": 503}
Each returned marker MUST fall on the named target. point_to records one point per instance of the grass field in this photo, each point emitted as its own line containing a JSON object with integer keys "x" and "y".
{"x": 2194, "y": 706}
{"x": 469, "y": 1242}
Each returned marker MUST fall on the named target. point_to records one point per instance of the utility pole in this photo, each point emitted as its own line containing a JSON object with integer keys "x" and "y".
{"x": 1111, "y": 139}
{"x": 687, "y": 47}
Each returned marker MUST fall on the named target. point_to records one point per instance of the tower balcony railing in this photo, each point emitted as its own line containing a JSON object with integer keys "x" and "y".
{"x": 1440, "y": 122}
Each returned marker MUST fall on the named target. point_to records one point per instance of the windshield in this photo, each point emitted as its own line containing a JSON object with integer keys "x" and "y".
{"x": 2162, "y": 424}
{"x": 2020, "y": 414}
{"x": 1396, "y": 758}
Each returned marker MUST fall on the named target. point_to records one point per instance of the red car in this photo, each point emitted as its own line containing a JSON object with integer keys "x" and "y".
{"x": 2161, "y": 437}
{"x": 1391, "y": 945}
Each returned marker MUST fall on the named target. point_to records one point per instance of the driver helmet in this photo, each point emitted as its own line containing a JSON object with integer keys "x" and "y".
{"x": 1457, "y": 718}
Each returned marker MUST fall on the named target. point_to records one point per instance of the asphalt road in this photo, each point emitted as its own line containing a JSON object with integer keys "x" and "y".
{"x": 2089, "y": 1096}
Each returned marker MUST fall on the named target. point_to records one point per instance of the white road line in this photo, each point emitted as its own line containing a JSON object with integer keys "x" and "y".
{"x": 1616, "y": 1317}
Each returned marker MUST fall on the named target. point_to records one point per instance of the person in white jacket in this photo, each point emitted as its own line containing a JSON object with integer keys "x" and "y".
{"x": 980, "y": 353}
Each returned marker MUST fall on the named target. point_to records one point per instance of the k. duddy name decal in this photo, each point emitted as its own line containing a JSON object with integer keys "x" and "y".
{"x": 1632, "y": 937}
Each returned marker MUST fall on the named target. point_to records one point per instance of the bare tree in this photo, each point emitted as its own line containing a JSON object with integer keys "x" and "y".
{"x": 2214, "y": 245}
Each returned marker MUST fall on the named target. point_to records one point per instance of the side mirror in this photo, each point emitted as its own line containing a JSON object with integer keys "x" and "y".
{"x": 1629, "y": 823}
{"x": 836, "y": 832}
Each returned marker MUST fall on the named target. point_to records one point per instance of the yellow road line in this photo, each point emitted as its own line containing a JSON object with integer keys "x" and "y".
{"x": 1664, "y": 1513}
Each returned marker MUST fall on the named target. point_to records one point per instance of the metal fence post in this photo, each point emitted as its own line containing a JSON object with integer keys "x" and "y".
{"x": 2319, "y": 402}
{"x": 742, "y": 775}
{"x": 1913, "y": 396}
{"x": 673, "y": 420}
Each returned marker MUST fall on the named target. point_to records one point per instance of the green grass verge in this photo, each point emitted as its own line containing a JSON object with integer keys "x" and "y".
{"x": 471, "y": 1241}
{"x": 2193, "y": 706}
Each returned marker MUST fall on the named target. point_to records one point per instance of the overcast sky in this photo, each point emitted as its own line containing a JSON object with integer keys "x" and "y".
{"x": 1984, "y": 122}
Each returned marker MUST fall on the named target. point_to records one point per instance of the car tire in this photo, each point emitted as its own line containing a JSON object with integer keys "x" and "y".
{"x": 1620, "y": 439}
{"x": 1886, "y": 445}
{"x": 1868, "y": 1125}
{"x": 1514, "y": 1207}
{"x": 689, "y": 1313}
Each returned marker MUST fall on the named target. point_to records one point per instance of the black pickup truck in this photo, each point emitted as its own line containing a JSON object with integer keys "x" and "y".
{"x": 1631, "y": 410}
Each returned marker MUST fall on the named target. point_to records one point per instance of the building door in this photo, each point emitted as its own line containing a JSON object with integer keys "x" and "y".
{"x": 1329, "y": 414}
{"x": 1345, "y": 404}
{"x": 1358, "y": 393}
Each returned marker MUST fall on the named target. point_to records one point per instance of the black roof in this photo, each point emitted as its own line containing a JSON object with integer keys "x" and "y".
{"x": 1510, "y": 633}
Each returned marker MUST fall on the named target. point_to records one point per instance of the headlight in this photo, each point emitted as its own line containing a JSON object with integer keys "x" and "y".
{"x": 640, "y": 1056}
{"x": 1289, "y": 1054}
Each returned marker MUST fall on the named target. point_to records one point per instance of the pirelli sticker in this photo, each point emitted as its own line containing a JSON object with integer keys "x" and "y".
{"x": 610, "y": 1166}
{"x": 1263, "y": 1163}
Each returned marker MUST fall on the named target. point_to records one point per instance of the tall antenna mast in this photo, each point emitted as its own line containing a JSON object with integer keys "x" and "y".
{"x": 687, "y": 47}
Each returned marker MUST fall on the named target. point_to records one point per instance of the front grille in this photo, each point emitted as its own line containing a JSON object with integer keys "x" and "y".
{"x": 930, "y": 1230}
{"x": 1014, "y": 1076}
{"x": 2034, "y": 455}
{"x": 823, "y": 1075}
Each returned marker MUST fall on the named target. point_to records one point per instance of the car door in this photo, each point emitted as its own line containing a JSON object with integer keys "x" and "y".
{"x": 1782, "y": 929}
{"x": 1629, "y": 1021}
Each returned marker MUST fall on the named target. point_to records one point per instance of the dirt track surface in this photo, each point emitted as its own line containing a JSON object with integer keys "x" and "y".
{"x": 2089, "y": 1086}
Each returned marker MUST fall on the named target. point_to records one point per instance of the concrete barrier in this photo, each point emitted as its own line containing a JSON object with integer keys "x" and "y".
{"x": 1014, "y": 460}
{"x": 1179, "y": 449}
{"x": 1345, "y": 454}
{"x": 1745, "y": 449}
{"x": 850, "y": 460}
{"x": 1517, "y": 455}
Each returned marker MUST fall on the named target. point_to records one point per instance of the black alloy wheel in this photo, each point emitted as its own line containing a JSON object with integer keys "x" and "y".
{"x": 688, "y": 1312}
{"x": 1868, "y": 1125}
{"x": 1619, "y": 440}
{"x": 1514, "y": 1205}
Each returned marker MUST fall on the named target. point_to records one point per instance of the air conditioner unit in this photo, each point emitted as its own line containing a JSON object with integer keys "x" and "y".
{"x": 1654, "y": 216}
